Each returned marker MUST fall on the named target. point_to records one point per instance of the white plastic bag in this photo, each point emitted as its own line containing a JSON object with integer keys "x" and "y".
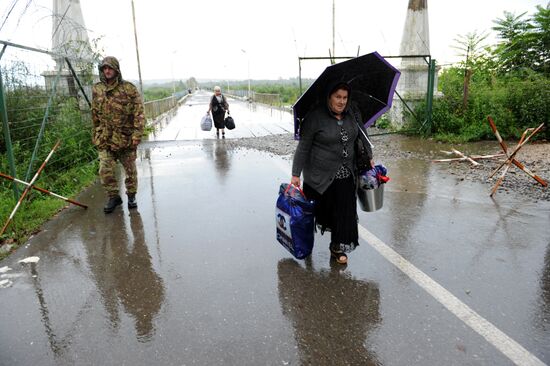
{"x": 206, "y": 123}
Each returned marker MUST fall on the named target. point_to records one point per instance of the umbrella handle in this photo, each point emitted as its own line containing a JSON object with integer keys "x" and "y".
{"x": 361, "y": 130}
{"x": 365, "y": 135}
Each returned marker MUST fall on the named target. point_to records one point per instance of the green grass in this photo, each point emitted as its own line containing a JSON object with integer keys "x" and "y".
{"x": 37, "y": 208}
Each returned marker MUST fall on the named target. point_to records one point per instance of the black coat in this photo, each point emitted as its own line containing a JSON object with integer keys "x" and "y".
{"x": 218, "y": 110}
{"x": 319, "y": 152}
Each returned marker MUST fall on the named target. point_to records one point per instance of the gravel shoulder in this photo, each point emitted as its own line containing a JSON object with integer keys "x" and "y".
{"x": 535, "y": 156}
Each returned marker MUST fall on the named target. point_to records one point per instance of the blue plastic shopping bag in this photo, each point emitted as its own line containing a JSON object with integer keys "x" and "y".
{"x": 294, "y": 221}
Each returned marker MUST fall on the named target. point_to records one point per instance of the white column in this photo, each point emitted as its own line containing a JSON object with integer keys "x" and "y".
{"x": 69, "y": 34}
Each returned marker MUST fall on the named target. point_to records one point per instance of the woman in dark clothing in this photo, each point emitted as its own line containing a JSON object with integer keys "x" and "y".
{"x": 218, "y": 106}
{"x": 326, "y": 157}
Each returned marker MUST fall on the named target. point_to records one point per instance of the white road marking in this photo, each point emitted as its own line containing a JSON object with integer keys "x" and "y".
{"x": 510, "y": 348}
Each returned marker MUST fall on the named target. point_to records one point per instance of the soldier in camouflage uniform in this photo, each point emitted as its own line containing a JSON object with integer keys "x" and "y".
{"x": 118, "y": 120}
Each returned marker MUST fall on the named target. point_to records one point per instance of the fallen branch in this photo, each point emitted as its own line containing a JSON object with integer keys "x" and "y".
{"x": 475, "y": 157}
{"x": 8, "y": 177}
{"x": 465, "y": 157}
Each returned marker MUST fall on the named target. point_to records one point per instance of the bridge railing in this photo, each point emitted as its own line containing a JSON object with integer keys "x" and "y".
{"x": 273, "y": 100}
{"x": 155, "y": 108}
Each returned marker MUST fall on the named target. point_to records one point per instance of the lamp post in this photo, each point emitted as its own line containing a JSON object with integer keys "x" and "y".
{"x": 248, "y": 61}
{"x": 226, "y": 80}
{"x": 137, "y": 50}
{"x": 173, "y": 78}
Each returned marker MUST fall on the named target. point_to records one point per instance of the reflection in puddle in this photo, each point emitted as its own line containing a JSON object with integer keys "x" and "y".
{"x": 124, "y": 274}
{"x": 331, "y": 312}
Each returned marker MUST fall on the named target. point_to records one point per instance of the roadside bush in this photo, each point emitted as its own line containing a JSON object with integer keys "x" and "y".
{"x": 514, "y": 102}
{"x": 154, "y": 93}
{"x": 529, "y": 103}
{"x": 71, "y": 168}
{"x": 25, "y": 109}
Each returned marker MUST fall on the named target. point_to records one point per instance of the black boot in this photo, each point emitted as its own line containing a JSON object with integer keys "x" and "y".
{"x": 132, "y": 203}
{"x": 112, "y": 204}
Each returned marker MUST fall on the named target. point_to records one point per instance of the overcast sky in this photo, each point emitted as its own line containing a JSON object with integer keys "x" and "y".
{"x": 235, "y": 39}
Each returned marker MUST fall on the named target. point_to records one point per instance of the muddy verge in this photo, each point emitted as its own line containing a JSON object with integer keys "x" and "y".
{"x": 535, "y": 156}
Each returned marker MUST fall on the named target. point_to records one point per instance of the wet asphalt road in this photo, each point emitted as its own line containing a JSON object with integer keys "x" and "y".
{"x": 195, "y": 276}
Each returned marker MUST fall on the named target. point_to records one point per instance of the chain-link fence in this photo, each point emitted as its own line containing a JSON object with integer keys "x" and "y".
{"x": 44, "y": 98}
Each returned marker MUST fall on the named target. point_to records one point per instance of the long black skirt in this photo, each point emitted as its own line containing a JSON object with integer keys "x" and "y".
{"x": 336, "y": 211}
{"x": 218, "y": 118}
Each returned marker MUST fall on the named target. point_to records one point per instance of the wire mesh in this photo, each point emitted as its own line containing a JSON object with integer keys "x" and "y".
{"x": 45, "y": 103}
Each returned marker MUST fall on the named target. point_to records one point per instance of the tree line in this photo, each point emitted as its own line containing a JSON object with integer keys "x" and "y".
{"x": 509, "y": 80}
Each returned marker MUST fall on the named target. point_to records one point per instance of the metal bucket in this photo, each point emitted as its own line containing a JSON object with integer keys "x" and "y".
{"x": 371, "y": 200}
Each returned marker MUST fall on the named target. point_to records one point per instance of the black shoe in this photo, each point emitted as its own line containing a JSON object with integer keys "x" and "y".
{"x": 112, "y": 204}
{"x": 132, "y": 203}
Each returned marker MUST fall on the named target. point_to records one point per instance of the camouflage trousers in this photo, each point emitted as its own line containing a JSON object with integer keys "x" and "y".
{"x": 107, "y": 174}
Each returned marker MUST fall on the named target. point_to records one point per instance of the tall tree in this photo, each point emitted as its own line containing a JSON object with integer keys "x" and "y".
{"x": 471, "y": 47}
{"x": 514, "y": 51}
{"x": 541, "y": 41}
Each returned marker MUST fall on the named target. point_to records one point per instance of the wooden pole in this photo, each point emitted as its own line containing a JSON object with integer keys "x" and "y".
{"x": 475, "y": 157}
{"x": 511, "y": 158}
{"x": 497, "y": 134}
{"x": 513, "y": 154}
{"x": 465, "y": 157}
{"x": 10, "y": 218}
{"x": 137, "y": 50}
{"x": 5, "y": 176}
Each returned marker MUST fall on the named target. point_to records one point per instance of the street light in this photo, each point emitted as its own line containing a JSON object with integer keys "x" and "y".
{"x": 248, "y": 58}
{"x": 172, "y": 68}
{"x": 137, "y": 49}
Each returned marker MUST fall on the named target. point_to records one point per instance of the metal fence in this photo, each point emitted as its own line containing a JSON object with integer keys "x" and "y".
{"x": 241, "y": 93}
{"x": 273, "y": 100}
{"x": 44, "y": 97}
{"x": 416, "y": 86}
{"x": 155, "y": 108}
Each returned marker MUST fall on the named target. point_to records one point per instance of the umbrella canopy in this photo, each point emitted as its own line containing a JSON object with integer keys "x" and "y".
{"x": 372, "y": 80}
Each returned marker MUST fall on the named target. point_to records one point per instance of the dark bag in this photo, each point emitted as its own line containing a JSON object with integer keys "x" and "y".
{"x": 294, "y": 221}
{"x": 229, "y": 122}
{"x": 363, "y": 150}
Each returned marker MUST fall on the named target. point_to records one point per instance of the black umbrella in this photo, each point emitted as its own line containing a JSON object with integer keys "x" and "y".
{"x": 372, "y": 80}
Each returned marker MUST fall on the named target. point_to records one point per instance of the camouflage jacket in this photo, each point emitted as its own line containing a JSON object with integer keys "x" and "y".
{"x": 117, "y": 114}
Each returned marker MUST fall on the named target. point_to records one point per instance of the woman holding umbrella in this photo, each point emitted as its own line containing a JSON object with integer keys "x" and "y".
{"x": 326, "y": 157}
